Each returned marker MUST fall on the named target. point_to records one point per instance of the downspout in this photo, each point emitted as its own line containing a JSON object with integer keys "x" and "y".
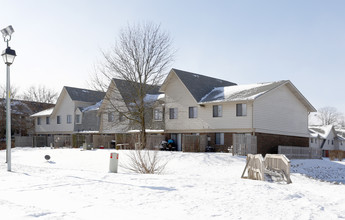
{"x": 253, "y": 130}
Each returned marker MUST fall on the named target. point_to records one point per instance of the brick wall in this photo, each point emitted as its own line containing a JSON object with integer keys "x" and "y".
{"x": 268, "y": 143}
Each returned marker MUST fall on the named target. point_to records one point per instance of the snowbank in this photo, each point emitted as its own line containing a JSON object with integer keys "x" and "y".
{"x": 76, "y": 184}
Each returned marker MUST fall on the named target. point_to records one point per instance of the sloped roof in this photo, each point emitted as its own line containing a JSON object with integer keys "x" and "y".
{"x": 84, "y": 95}
{"x": 23, "y": 107}
{"x": 46, "y": 112}
{"x": 200, "y": 85}
{"x": 322, "y": 131}
{"x": 94, "y": 107}
{"x": 128, "y": 90}
{"x": 240, "y": 92}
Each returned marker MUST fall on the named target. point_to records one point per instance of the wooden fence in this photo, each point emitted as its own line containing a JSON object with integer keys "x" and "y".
{"x": 293, "y": 152}
{"x": 154, "y": 142}
{"x": 244, "y": 144}
{"x": 194, "y": 143}
{"x": 33, "y": 141}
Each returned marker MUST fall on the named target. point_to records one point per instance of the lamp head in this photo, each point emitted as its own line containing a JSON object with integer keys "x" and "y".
{"x": 7, "y": 32}
{"x": 8, "y": 55}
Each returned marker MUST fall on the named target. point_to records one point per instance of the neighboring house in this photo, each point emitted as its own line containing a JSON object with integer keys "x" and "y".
{"x": 326, "y": 138}
{"x": 276, "y": 113}
{"x": 75, "y": 112}
{"x": 120, "y": 98}
{"x": 21, "y": 122}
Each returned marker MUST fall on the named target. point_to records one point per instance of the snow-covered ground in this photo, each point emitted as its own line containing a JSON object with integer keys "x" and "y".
{"x": 76, "y": 184}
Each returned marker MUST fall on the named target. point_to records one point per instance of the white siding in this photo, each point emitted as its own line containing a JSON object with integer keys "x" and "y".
{"x": 280, "y": 112}
{"x": 65, "y": 107}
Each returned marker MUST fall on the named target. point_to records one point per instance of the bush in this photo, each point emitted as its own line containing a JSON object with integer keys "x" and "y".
{"x": 145, "y": 162}
{"x": 339, "y": 154}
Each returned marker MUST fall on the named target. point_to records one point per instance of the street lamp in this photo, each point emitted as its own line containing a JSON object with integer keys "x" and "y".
{"x": 8, "y": 55}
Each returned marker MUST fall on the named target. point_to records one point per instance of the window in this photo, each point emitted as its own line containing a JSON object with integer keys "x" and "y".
{"x": 69, "y": 119}
{"x": 121, "y": 117}
{"x": 77, "y": 119}
{"x": 111, "y": 117}
{"x": 332, "y": 142}
{"x": 241, "y": 109}
{"x": 311, "y": 140}
{"x": 38, "y": 121}
{"x": 158, "y": 114}
{"x": 47, "y": 120}
{"x": 58, "y": 119}
{"x": 172, "y": 113}
{"x": 217, "y": 111}
{"x": 219, "y": 138}
{"x": 193, "y": 112}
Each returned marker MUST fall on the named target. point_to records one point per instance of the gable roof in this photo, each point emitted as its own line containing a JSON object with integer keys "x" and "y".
{"x": 322, "y": 131}
{"x": 198, "y": 85}
{"x": 84, "y": 95}
{"x": 240, "y": 92}
{"x": 251, "y": 92}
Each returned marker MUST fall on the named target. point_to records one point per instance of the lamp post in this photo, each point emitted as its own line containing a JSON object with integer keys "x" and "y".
{"x": 8, "y": 55}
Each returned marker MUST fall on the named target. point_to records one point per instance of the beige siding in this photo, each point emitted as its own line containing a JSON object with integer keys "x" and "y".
{"x": 280, "y": 112}
{"x": 177, "y": 96}
{"x": 113, "y": 98}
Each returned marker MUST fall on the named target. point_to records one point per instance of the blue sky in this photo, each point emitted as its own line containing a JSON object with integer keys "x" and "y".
{"x": 59, "y": 42}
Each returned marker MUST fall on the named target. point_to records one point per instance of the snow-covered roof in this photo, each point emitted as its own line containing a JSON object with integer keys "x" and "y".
{"x": 92, "y": 107}
{"x": 322, "y": 131}
{"x": 239, "y": 92}
{"x": 153, "y": 97}
{"x": 46, "y": 112}
{"x": 147, "y": 131}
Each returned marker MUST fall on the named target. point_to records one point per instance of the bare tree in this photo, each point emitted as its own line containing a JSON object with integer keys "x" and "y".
{"x": 145, "y": 162}
{"x": 329, "y": 116}
{"x": 13, "y": 90}
{"x": 141, "y": 57}
{"x": 40, "y": 94}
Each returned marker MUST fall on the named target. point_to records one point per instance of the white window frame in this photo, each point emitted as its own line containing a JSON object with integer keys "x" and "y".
{"x": 217, "y": 111}
{"x": 78, "y": 118}
{"x": 192, "y": 112}
{"x": 220, "y": 137}
{"x": 111, "y": 116}
{"x": 47, "y": 120}
{"x": 58, "y": 119}
{"x": 158, "y": 114}
{"x": 69, "y": 119}
{"x": 38, "y": 121}
{"x": 173, "y": 113}
{"x": 241, "y": 109}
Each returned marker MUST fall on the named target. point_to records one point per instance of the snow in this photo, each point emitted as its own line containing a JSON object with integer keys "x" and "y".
{"x": 76, "y": 184}
{"x": 322, "y": 131}
{"x": 237, "y": 92}
{"x": 93, "y": 107}
{"x": 153, "y": 97}
{"x": 147, "y": 131}
{"x": 46, "y": 112}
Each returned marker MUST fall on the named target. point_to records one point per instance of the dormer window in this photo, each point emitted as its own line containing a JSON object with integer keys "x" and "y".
{"x": 78, "y": 119}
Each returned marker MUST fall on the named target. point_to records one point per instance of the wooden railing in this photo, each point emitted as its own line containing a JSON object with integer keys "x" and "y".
{"x": 255, "y": 167}
{"x": 272, "y": 164}
{"x": 278, "y": 163}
